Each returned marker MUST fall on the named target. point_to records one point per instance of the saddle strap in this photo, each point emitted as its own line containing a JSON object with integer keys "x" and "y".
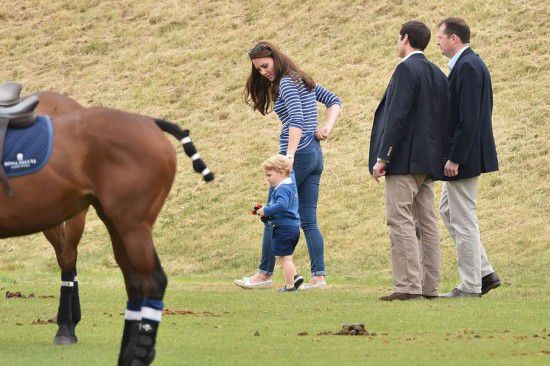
{"x": 3, "y": 177}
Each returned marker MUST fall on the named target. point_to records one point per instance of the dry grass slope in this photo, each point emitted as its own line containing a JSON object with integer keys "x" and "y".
{"x": 186, "y": 61}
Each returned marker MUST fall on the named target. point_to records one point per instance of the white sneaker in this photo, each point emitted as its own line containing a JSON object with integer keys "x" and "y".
{"x": 246, "y": 283}
{"x": 318, "y": 285}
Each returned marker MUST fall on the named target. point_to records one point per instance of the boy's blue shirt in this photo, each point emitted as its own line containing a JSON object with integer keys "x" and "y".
{"x": 282, "y": 209}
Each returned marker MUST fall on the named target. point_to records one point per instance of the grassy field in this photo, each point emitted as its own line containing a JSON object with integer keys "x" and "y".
{"x": 235, "y": 327}
{"x": 186, "y": 61}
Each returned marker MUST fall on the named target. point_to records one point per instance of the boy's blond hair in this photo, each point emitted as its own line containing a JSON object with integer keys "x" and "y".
{"x": 278, "y": 163}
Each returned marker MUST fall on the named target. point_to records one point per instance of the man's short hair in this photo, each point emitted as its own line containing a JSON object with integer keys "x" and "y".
{"x": 458, "y": 27}
{"x": 419, "y": 34}
{"x": 278, "y": 163}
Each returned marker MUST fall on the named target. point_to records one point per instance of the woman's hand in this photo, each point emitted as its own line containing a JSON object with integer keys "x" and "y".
{"x": 260, "y": 212}
{"x": 323, "y": 133}
{"x": 332, "y": 115}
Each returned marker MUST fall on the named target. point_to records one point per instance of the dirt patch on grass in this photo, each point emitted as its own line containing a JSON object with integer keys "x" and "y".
{"x": 188, "y": 312}
{"x": 18, "y": 295}
{"x": 44, "y": 321}
{"x": 347, "y": 329}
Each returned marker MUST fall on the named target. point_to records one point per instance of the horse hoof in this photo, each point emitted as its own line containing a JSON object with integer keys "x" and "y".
{"x": 63, "y": 340}
{"x": 65, "y": 335}
{"x": 151, "y": 356}
{"x": 140, "y": 362}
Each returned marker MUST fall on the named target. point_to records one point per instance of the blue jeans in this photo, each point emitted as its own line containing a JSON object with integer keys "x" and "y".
{"x": 308, "y": 166}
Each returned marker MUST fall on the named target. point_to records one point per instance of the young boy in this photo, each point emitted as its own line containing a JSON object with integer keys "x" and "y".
{"x": 282, "y": 213}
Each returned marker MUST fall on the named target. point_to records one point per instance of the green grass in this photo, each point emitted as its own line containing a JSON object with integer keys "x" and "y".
{"x": 508, "y": 327}
{"x": 186, "y": 61}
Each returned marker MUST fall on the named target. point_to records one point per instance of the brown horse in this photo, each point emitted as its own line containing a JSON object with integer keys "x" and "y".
{"x": 121, "y": 164}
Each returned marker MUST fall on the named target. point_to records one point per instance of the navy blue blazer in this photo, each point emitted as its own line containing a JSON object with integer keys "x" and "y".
{"x": 471, "y": 143}
{"x": 410, "y": 128}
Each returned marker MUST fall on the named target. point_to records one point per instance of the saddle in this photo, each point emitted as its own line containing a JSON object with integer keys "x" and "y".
{"x": 14, "y": 113}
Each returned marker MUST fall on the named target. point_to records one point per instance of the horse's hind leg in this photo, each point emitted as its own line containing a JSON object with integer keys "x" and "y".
{"x": 65, "y": 238}
{"x": 145, "y": 284}
{"x": 132, "y": 319}
{"x": 143, "y": 260}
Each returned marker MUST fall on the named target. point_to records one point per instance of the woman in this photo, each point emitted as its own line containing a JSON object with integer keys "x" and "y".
{"x": 274, "y": 78}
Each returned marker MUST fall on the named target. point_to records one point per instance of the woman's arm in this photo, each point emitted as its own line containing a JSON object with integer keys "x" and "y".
{"x": 332, "y": 115}
{"x": 334, "y": 108}
{"x": 294, "y": 136}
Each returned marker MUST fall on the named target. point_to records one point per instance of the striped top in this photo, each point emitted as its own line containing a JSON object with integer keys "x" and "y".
{"x": 297, "y": 107}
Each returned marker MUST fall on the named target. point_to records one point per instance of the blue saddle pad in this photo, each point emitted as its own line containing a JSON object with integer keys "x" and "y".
{"x": 27, "y": 150}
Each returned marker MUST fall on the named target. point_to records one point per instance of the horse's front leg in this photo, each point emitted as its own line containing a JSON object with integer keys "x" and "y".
{"x": 65, "y": 238}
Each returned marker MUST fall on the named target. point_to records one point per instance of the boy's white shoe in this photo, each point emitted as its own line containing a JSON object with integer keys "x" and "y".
{"x": 318, "y": 285}
{"x": 245, "y": 283}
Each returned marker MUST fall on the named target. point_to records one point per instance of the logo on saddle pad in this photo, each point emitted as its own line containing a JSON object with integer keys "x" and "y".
{"x": 21, "y": 163}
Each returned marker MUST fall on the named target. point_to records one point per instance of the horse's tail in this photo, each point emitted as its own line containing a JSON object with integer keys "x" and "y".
{"x": 188, "y": 147}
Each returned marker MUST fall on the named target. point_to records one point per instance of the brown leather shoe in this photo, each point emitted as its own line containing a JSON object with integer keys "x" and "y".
{"x": 401, "y": 296}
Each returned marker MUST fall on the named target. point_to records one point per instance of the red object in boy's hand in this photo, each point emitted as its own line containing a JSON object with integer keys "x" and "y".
{"x": 255, "y": 212}
{"x": 256, "y": 208}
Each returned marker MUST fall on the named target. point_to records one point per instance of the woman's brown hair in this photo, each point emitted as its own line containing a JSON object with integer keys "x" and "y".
{"x": 260, "y": 92}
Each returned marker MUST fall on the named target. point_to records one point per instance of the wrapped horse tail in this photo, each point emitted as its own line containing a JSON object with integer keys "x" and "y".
{"x": 183, "y": 136}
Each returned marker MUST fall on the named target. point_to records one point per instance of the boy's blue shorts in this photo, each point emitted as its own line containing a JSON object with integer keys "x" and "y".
{"x": 284, "y": 240}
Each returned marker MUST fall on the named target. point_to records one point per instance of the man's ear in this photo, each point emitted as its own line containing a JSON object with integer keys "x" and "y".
{"x": 405, "y": 38}
{"x": 454, "y": 38}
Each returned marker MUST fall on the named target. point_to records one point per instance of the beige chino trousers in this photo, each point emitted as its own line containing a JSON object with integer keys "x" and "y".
{"x": 458, "y": 210}
{"x": 415, "y": 260}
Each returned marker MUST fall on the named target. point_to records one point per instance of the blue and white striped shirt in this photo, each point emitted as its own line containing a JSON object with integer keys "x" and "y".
{"x": 297, "y": 107}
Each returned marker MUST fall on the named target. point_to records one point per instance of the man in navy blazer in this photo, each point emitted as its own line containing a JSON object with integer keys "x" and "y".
{"x": 407, "y": 146}
{"x": 471, "y": 152}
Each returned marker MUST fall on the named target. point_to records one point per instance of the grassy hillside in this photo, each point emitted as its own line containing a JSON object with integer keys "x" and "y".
{"x": 186, "y": 61}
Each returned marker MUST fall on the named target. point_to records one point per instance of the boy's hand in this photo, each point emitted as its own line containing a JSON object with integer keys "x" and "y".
{"x": 258, "y": 210}
{"x": 255, "y": 209}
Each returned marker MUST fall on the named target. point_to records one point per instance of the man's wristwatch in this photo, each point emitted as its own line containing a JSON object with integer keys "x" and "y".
{"x": 382, "y": 161}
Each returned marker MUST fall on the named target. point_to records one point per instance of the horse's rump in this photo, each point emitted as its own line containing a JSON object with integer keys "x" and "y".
{"x": 101, "y": 157}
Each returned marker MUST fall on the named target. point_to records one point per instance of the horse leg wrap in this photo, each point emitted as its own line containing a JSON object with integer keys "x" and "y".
{"x": 75, "y": 302}
{"x": 131, "y": 327}
{"x": 64, "y": 313}
{"x": 66, "y": 332}
{"x": 141, "y": 349}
